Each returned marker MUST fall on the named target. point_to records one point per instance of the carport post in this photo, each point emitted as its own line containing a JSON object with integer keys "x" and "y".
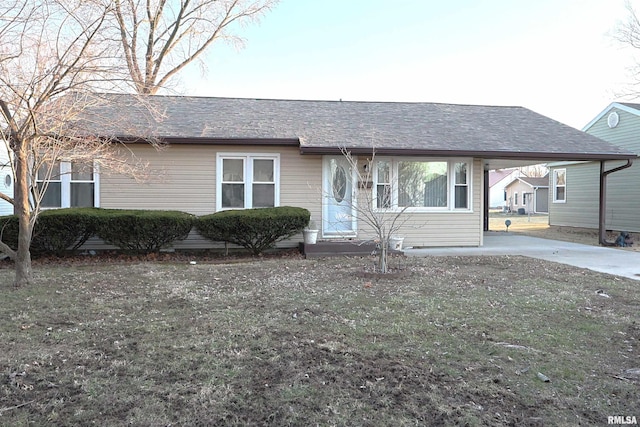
{"x": 602, "y": 231}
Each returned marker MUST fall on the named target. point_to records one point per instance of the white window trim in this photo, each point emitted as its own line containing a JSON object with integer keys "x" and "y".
{"x": 451, "y": 184}
{"x": 65, "y": 186}
{"x": 555, "y": 185}
{"x": 248, "y": 174}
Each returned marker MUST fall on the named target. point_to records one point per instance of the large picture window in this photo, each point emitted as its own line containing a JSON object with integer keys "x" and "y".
{"x": 559, "y": 186}
{"x": 68, "y": 184}
{"x": 247, "y": 181}
{"x": 422, "y": 185}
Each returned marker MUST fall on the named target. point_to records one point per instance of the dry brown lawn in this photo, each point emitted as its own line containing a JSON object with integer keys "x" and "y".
{"x": 538, "y": 226}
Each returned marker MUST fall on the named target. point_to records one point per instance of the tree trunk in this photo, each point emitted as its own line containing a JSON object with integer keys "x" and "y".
{"x": 22, "y": 209}
{"x": 382, "y": 256}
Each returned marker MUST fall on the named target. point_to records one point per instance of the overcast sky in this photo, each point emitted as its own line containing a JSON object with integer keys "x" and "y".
{"x": 556, "y": 57}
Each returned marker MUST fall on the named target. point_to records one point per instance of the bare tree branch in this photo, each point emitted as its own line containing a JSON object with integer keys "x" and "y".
{"x": 54, "y": 56}
{"x": 167, "y": 36}
{"x": 374, "y": 208}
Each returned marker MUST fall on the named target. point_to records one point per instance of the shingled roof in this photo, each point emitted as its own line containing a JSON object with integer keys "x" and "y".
{"x": 536, "y": 181}
{"x": 326, "y": 126}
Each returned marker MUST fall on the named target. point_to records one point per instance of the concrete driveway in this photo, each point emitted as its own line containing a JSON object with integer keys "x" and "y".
{"x": 605, "y": 260}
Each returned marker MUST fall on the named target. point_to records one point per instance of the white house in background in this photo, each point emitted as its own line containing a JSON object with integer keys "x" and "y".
{"x": 528, "y": 195}
{"x": 6, "y": 182}
{"x": 498, "y": 181}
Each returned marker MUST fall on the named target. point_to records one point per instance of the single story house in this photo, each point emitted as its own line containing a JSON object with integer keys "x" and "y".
{"x": 577, "y": 197}
{"x": 498, "y": 181}
{"x": 228, "y": 153}
{"x": 528, "y": 195}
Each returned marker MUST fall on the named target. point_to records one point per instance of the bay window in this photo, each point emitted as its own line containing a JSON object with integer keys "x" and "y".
{"x": 247, "y": 181}
{"x": 422, "y": 185}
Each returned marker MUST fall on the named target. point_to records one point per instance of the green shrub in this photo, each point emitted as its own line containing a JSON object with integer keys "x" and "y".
{"x": 57, "y": 231}
{"x": 143, "y": 231}
{"x": 9, "y": 231}
{"x": 254, "y": 229}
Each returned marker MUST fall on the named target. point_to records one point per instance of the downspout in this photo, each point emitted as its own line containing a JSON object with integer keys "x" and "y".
{"x": 602, "y": 232}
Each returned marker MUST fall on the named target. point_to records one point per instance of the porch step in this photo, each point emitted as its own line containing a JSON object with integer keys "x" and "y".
{"x": 339, "y": 247}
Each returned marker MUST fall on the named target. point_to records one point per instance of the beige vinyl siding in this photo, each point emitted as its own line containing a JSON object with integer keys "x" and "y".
{"x": 178, "y": 178}
{"x": 183, "y": 177}
{"x": 433, "y": 229}
{"x": 520, "y": 188}
{"x": 623, "y": 187}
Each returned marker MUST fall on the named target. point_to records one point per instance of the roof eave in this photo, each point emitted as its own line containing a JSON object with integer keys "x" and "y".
{"x": 282, "y": 142}
{"x": 470, "y": 153}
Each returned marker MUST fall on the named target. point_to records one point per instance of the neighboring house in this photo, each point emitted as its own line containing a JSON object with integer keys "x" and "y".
{"x": 575, "y": 186}
{"x": 226, "y": 153}
{"x": 6, "y": 181}
{"x": 528, "y": 195}
{"x": 498, "y": 181}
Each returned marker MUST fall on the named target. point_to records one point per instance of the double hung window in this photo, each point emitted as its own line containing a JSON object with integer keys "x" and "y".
{"x": 67, "y": 184}
{"x": 559, "y": 185}
{"x": 247, "y": 181}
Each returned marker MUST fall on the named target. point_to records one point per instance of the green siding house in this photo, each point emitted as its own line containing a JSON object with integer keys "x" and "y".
{"x": 575, "y": 186}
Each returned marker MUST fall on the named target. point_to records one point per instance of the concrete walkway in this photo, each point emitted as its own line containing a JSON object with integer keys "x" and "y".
{"x": 606, "y": 260}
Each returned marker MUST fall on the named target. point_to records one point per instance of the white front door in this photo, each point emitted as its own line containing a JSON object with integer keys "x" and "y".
{"x": 338, "y": 213}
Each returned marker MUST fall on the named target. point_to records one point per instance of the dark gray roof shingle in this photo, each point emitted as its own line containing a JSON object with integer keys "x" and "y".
{"x": 417, "y": 128}
{"x": 536, "y": 181}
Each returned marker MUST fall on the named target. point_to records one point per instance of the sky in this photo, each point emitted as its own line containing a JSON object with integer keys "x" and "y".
{"x": 555, "y": 57}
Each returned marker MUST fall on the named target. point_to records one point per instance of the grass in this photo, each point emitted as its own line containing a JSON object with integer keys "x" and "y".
{"x": 307, "y": 342}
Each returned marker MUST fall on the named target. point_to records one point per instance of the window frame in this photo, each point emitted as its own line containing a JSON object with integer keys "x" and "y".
{"x": 248, "y": 181}
{"x": 65, "y": 179}
{"x": 451, "y": 184}
{"x": 555, "y": 186}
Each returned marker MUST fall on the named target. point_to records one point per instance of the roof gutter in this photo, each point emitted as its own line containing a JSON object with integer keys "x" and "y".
{"x": 543, "y": 156}
{"x": 602, "y": 232}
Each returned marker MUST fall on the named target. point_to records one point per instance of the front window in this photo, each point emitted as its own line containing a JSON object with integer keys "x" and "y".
{"x": 82, "y": 185}
{"x": 560, "y": 186}
{"x": 461, "y": 186}
{"x": 422, "y": 185}
{"x": 383, "y": 186}
{"x": 67, "y": 184}
{"x": 247, "y": 181}
{"x": 49, "y": 180}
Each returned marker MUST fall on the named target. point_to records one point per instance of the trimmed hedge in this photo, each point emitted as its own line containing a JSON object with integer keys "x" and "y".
{"x": 143, "y": 231}
{"x": 254, "y": 229}
{"x": 57, "y": 231}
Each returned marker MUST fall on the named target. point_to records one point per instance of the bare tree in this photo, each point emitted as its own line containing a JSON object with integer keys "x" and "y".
{"x": 535, "y": 171}
{"x": 373, "y": 207}
{"x": 161, "y": 37}
{"x": 628, "y": 33}
{"x": 52, "y": 54}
